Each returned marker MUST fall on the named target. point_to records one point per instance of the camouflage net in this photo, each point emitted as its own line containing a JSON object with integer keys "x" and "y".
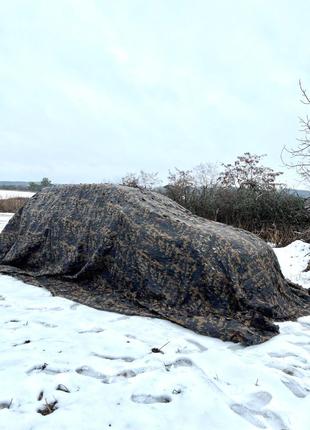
{"x": 139, "y": 253}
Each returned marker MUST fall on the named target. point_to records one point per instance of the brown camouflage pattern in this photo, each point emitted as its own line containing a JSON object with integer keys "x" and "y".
{"x": 137, "y": 252}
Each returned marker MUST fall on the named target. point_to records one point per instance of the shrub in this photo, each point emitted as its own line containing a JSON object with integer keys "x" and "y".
{"x": 274, "y": 215}
{"x": 244, "y": 195}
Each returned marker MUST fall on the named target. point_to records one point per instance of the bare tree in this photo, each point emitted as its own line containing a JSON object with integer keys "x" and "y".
{"x": 300, "y": 155}
{"x": 130, "y": 180}
{"x": 205, "y": 174}
{"x": 246, "y": 172}
{"x": 181, "y": 184}
{"x": 145, "y": 180}
{"x": 149, "y": 180}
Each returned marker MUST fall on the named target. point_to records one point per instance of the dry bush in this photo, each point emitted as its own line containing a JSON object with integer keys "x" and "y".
{"x": 276, "y": 216}
{"x": 279, "y": 236}
{"x": 12, "y": 204}
{"x": 245, "y": 195}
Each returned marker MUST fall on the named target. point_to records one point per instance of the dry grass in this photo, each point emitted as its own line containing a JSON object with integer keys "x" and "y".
{"x": 279, "y": 236}
{"x": 48, "y": 408}
{"x": 12, "y": 204}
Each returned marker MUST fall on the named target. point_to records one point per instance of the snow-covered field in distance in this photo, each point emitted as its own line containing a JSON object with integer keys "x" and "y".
{"x": 6, "y": 194}
{"x": 50, "y": 345}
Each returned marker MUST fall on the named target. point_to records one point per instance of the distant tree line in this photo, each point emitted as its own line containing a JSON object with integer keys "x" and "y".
{"x": 38, "y": 186}
{"x": 244, "y": 194}
{"x": 25, "y": 186}
{"x": 12, "y": 187}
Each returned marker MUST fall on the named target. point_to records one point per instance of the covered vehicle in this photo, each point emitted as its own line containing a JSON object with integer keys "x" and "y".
{"x": 137, "y": 252}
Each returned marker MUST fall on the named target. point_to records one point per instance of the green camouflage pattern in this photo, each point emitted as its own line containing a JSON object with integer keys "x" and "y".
{"x": 137, "y": 252}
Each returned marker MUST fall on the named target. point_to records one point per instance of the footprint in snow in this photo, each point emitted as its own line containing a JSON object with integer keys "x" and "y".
{"x": 282, "y": 354}
{"x": 305, "y": 324}
{"x": 45, "y": 324}
{"x": 295, "y": 388}
{"x": 294, "y": 370}
{"x": 259, "y": 400}
{"x": 199, "y": 346}
{"x": 248, "y": 415}
{"x": 109, "y": 357}
{"x": 89, "y": 371}
{"x": 130, "y": 336}
{"x": 111, "y": 379}
{"x": 122, "y": 318}
{"x": 181, "y": 362}
{"x": 38, "y": 308}
{"x": 148, "y": 399}
{"x": 45, "y": 368}
{"x": 305, "y": 345}
{"x": 253, "y": 412}
{"x": 75, "y": 305}
{"x": 92, "y": 330}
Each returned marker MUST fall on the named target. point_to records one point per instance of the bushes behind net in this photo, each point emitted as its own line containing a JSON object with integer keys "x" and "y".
{"x": 275, "y": 215}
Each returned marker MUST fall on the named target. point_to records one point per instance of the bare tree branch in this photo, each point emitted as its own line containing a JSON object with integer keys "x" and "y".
{"x": 301, "y": 153}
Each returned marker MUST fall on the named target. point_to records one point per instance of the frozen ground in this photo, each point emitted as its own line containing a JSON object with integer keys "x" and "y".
{"x": 6, "y": 194}
{"x": 100, "y": 369}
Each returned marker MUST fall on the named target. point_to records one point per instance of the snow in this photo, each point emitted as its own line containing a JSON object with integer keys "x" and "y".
{"x": 4, "y": 218}
{"x": 105, "y": 361}
{"x": 294, "y": 259}
{"x": 6, "y": 194}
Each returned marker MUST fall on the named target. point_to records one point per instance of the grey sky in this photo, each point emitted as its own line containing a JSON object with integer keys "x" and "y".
{"x": 90, "y": 90}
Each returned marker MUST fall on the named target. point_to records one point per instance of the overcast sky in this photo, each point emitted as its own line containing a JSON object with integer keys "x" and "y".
{"x": 90, "y": 90}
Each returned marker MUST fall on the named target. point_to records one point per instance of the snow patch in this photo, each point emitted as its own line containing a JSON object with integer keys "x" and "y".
{"x": 293, "y": 260}
{"x": 7, "y": 194}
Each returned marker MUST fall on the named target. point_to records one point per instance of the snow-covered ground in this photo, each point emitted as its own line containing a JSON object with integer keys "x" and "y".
{"x": 293, "y": 260}
{"x": 6, "y": 194}
{"x": 4, "y": 218}
{"x": 100, "y": 369}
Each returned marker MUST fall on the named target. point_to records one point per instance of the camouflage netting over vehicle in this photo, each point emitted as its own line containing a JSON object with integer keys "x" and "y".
{"x": 137, "y": 252}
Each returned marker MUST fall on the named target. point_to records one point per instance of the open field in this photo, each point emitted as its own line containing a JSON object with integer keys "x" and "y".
{"x": 91, "y": 369}
{"x": 11, "y": 201}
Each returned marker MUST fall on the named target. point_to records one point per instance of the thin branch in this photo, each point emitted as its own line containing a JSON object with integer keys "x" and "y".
{"x": 304, "y": 94}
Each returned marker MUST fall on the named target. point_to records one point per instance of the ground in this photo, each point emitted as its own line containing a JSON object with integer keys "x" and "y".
{"x": 90, "y": 370}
